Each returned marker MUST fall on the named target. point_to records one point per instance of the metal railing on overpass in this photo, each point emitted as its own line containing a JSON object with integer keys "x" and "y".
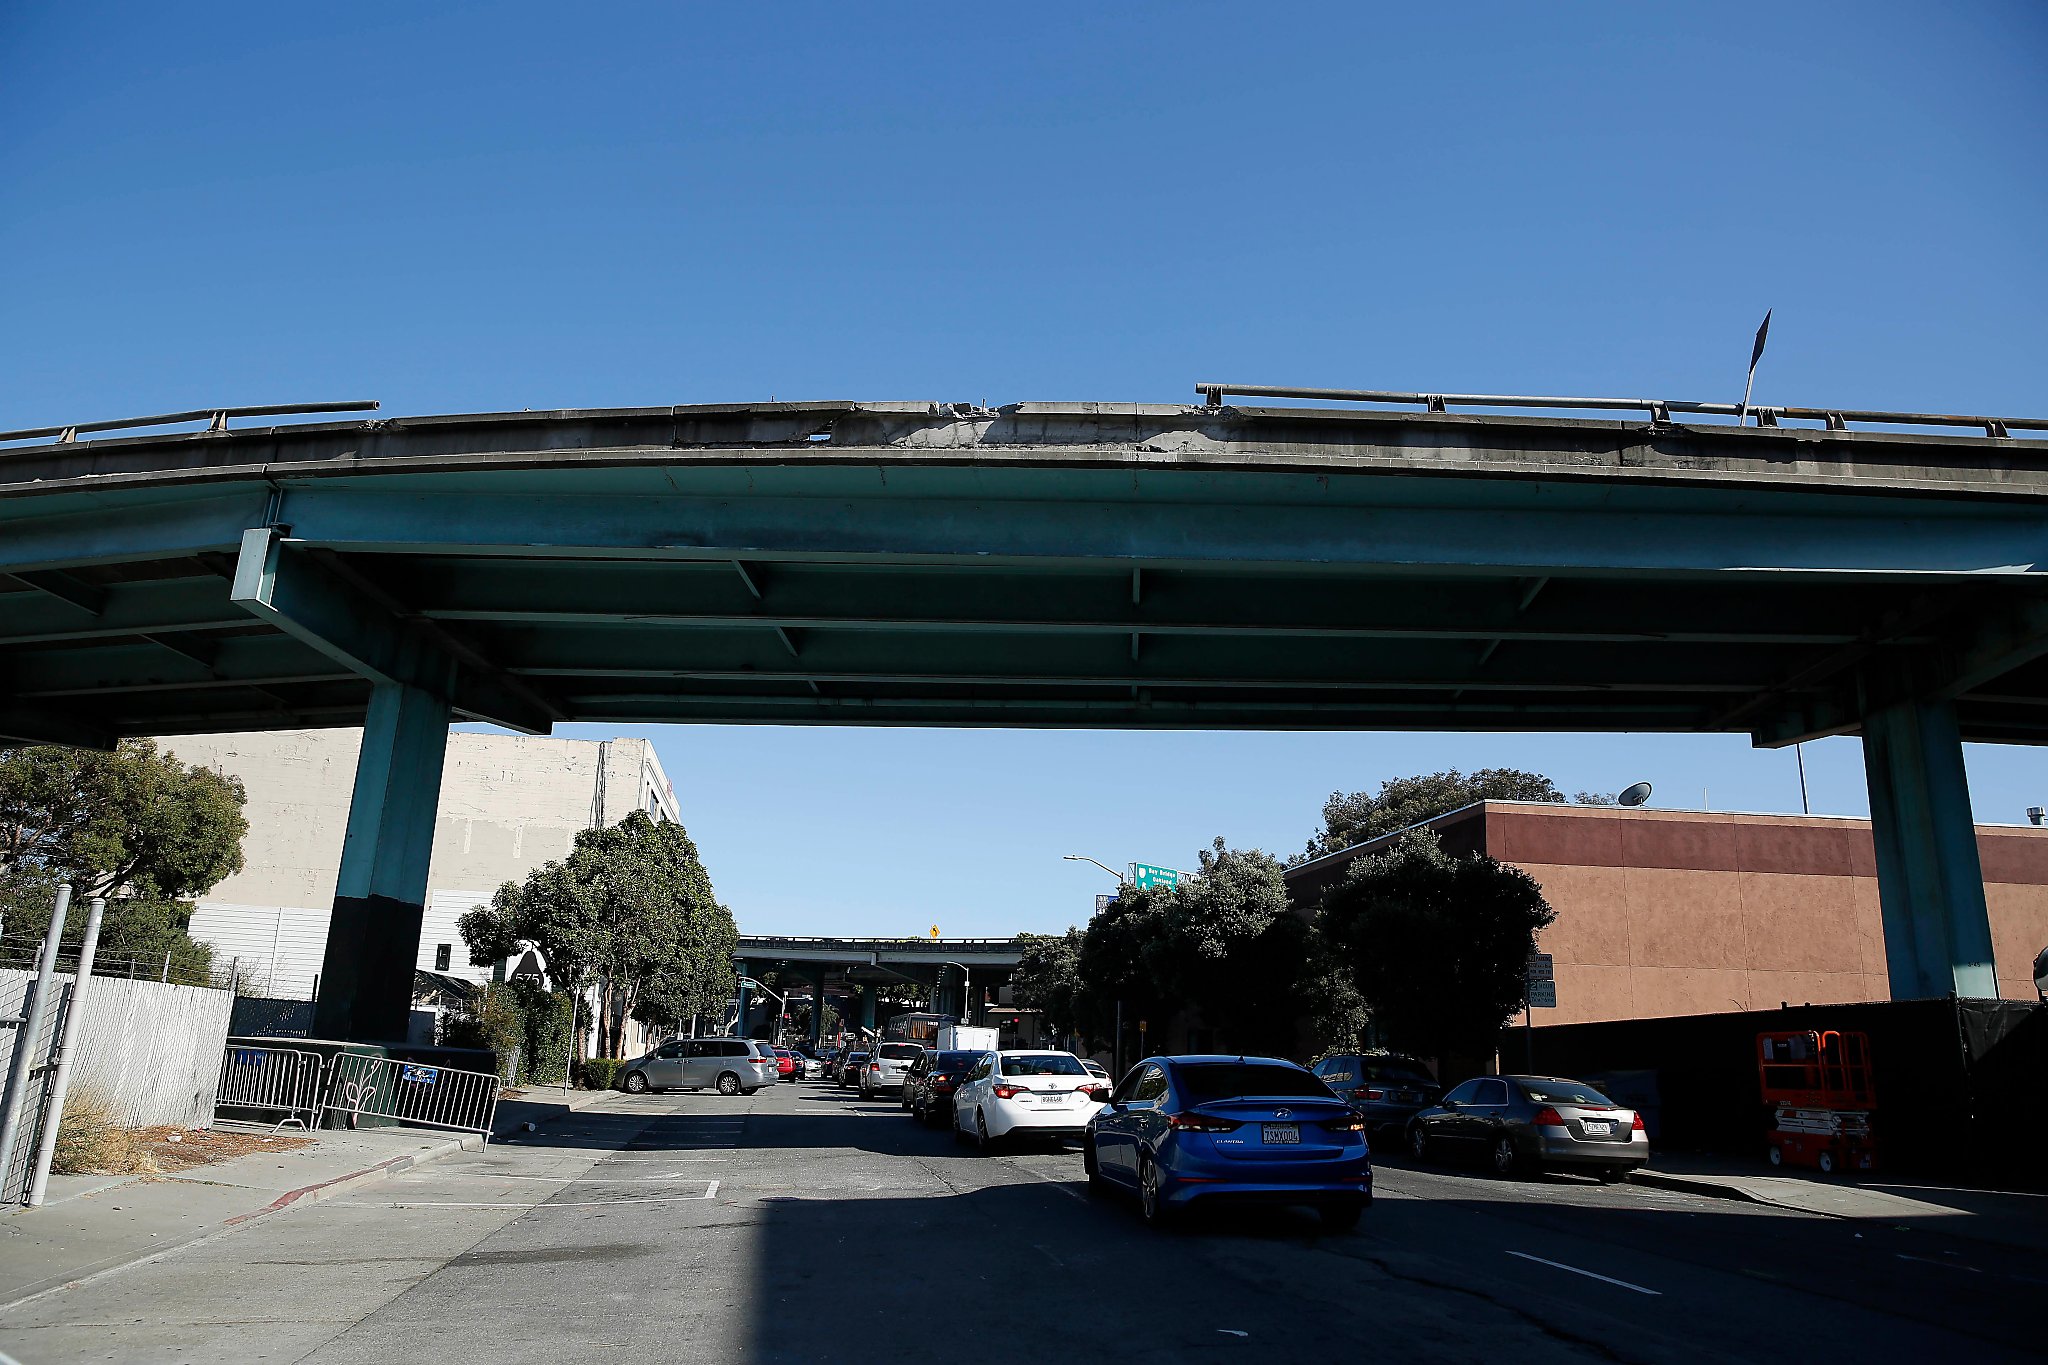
{"x": 1659, "y": 409}
{"x": 215, "y": 418}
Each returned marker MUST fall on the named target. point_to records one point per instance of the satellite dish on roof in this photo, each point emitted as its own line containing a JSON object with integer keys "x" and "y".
{"x": 1635, "y": 795}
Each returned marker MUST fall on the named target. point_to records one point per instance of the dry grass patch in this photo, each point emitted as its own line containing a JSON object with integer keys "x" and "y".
{"x": 91, "y": 1142}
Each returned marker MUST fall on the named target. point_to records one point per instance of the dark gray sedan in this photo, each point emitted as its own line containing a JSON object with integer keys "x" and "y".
{"x": 1526, "y": 1123}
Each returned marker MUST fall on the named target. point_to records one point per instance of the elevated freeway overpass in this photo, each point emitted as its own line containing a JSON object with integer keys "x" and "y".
{"x": 957, "y": 970}
{"x": 1041, "y": 564}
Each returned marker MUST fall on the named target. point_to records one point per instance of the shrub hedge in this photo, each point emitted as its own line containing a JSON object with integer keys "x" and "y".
{"x": 603, "y": 1073}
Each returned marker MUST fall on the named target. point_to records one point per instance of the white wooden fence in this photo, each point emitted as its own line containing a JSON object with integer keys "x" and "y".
{"x": 151, "y": 1050}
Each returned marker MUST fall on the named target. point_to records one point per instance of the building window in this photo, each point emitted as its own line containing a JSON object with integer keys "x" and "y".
{"x": 442, "y": 952}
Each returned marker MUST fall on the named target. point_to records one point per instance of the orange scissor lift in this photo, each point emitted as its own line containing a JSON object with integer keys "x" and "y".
{"x": 1818, "y": 1087}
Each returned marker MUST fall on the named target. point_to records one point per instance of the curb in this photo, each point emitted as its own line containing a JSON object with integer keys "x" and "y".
{"x": 308, "y": 1194}
{"x": 369, "y": 1175}
{"x": 1715, "y": 1189}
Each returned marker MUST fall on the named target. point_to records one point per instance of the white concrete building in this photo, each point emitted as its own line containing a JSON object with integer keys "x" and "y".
{"x": 508, "y": 804}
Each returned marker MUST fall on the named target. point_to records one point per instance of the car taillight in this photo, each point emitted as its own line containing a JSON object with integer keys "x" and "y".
{"x": 1005, "y": 1091}
{"x": 941, "y": 1082}
{"x": 1368, "y": 1094}
{"x": 1546, "y": 1117}
{"x": 1200, "y": 1123}
{"x": 1348, "y": 1122}
{"x": 1635, "y": 1123}
{"x": 874, "y": 1066}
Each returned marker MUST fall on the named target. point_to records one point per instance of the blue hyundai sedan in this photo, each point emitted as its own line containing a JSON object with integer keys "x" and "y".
{"x": 1184, "y": 1131}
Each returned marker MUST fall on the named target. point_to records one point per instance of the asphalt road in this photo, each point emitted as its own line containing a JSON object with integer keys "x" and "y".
{"x": 803, "y": 1224}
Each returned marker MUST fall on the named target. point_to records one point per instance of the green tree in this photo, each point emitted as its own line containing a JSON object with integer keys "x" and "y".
{"x": 1048, "y": 979}
{"x": 629, "y": 911}
{"x": 132, "y": 821}
{"x": 1222, "y": 944}
{"x": 1355, "y": 817}
{"x": 1436, "y": 946}
{"x": 136, "y": 826}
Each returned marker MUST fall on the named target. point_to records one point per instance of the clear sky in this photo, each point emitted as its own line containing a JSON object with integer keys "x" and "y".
{"x": 455, "y": 207}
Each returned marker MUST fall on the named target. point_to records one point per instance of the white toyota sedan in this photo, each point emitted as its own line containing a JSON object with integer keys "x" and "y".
{"x": 1025, "y": 1094}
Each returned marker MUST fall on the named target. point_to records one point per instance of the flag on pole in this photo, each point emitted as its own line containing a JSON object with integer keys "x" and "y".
{"x": 1756, "y": 353}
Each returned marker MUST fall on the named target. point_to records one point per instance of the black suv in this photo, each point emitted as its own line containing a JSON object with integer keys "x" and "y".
{"x": 928, "y": 1089}
{"x": 1389, "y": 1087}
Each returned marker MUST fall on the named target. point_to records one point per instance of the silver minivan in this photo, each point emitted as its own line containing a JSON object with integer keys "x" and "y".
{"x": 733, "y": 1066}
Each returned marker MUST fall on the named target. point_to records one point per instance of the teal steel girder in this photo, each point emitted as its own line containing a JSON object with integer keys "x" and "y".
{"x": 1045, "y": 564}
{"x": 349, "y": 626}
{"x": 1617, "y": 541}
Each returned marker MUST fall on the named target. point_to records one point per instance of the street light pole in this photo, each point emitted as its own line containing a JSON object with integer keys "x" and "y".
{"x": 781, "y": 1004}
{"x": 1084, "y": 858}
{"x": 966, "y": 1000}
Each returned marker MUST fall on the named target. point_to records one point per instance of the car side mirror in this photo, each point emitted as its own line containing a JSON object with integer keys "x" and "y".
{"x": 1447, "y": 1104}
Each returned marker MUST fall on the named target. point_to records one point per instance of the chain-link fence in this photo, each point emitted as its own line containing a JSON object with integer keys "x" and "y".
{"x": 17, "y": 1004}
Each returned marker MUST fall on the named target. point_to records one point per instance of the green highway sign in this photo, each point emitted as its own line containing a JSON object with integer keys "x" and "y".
{"x": 1144, "y": 877}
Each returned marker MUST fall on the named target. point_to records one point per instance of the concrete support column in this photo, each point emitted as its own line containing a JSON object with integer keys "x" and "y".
{"x": 1937, "y": 933}
{"x": 745, "y": 997}
{"x": 373, "y": 941}
{"x": 867, "y": 1007}
{"x": 817, "y": 1011}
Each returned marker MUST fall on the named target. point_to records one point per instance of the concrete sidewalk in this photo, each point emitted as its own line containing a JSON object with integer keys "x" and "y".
{"x": 91, "y": 1225}
{"x": 2001, "y": 1217}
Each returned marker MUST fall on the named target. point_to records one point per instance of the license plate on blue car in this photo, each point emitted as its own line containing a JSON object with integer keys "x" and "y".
{"x": 1283, "y": 1134}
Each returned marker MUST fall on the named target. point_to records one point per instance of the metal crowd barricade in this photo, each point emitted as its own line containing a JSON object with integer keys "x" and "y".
{"x": 276, "y": 1080}
{"x": 411, "y": 1092}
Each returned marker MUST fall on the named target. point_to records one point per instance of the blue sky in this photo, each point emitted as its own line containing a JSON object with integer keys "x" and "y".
{"x": 463, "y": 207}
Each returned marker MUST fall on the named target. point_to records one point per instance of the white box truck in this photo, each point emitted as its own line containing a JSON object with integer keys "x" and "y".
{"x": 967, "y": 1038}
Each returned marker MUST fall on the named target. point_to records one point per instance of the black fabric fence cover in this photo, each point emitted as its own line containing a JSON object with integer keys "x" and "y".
{"x": 263, "y": 1016}
{"x": 1961, "y": 1085}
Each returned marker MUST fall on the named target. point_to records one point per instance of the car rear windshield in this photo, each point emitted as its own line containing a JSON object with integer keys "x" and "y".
{"x": 956, "y": 1061}
{"x": 1565, "y": 1092}
{"x": 1044, "y": 1064}
{"x": 900, "y": 1052}
{"x": 1398, "y": 1073}
{"x": 1201, "y": 1082}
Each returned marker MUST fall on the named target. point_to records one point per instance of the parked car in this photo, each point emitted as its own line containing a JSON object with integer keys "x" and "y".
{"x": 733, "y": 1066}
{"x": 1182, "y": 1131}
{"x": 1019, "y": 1093}
{"x": 849, "y": 1069}
{"x": 1387, "y": 1087}
{"x": 882, "y": 1073}
{"x": 1526, "y": 1123}
{"x": 1097, "y": 1070}
{"x": 932, "y": 1080}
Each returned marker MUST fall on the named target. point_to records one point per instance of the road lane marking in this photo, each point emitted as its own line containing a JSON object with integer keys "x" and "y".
{"x": 1946, "y": 1265}
{"x": 521, "y": 1204}
{"x": 711, "y": 1190}
{"x": 1604, "y": 1279}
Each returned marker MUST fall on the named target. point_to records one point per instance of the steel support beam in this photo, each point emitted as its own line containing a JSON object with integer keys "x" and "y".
{"x": 373, "y": 940}
{"x": 1059, "y": 527}
{"x": 1937, "y": 932}
{"x": 349, "y": 626}
{"x": 27, "y": 723}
